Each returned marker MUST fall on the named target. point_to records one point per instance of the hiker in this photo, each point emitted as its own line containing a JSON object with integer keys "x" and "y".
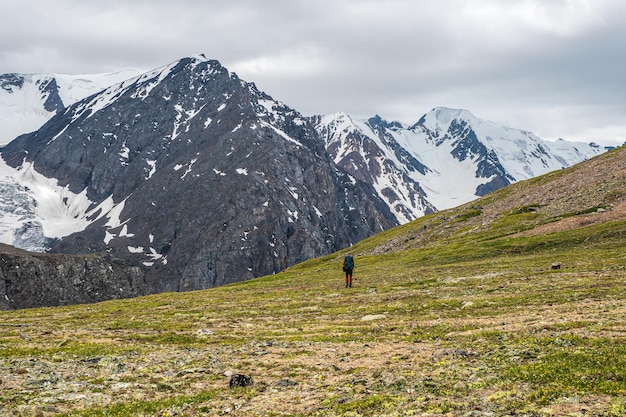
{"x": 348, "y": 266}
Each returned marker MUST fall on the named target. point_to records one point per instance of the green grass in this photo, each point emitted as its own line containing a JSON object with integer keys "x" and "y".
{"x": 471, "y": 318}
{"x": 452, "y": 297}
{"x": 169, "y": 406}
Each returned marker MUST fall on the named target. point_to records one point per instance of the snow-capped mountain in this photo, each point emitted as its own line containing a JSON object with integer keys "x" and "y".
{"x": 27, "y": 101}
{"x": 191, "y": 174}
{"x": 28, "y": 200}
{"x": 370, "y": 153}
{"x": 447, "y": 158}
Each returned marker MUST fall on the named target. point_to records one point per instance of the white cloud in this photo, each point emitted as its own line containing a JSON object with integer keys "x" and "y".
{"x": 502, "y": 60}
{"x": 292, "y": 63}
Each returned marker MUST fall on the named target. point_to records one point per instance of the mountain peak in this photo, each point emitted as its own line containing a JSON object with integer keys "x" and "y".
{"x": 379, "y": 121}
{"x": 443, "y": 116}
{"x": 199, "y": 59}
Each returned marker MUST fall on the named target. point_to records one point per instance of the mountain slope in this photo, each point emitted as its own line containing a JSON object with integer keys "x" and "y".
{"x": 197, "y": 177}
{"x": 447, "y": 158}
{"x": 27, "y": 101}
{"x": 590, "y": 193}
{"x": 457, "y": 313}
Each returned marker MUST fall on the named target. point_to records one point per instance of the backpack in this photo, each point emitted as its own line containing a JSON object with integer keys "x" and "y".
{"x": 348, "y": 263}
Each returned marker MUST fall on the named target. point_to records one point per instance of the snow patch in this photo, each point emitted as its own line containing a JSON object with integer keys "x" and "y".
{"x": 124, "y": 232}
{"x": 152, "y": 165}
{"x": 183, "y": 117}
{"x": 124, "y": 154}
{"x": 292, "y": 216}
{"x": 193, "y": 161}
{"x": 281, "y": 133}
{"x": 294, "y": 192}
{"x": 44, "y": 209}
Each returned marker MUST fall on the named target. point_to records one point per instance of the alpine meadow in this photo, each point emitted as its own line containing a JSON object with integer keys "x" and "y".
{"x": 509, "y": 305}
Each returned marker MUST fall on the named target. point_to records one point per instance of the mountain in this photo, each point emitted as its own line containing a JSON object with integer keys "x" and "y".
{"x": 368, "y": 152}
{"x": 27, "y": 101}
{"x": 447, "y": 158}
{"x": 191, "y": 174}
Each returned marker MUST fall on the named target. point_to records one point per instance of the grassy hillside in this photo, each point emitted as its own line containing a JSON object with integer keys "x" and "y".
{"x": 459, "y": 313}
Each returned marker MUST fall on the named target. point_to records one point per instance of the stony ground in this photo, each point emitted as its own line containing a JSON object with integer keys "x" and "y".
{"x": 424, "y": 377}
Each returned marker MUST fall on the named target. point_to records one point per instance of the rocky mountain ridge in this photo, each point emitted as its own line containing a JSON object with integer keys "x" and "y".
{"x": 447, "y": 158}
{"x": 29, "y": 279}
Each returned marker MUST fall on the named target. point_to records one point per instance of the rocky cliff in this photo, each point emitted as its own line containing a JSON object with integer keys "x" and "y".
{"x": 30, "y": 279}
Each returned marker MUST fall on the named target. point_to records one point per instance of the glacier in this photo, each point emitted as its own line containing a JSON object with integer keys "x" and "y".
{"x": 34, "y": 209}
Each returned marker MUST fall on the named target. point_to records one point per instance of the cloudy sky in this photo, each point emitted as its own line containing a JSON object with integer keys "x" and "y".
{"x": 554, "y": 67}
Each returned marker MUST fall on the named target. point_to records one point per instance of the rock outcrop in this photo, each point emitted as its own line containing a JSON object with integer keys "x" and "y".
{"x": 30, "y": 279}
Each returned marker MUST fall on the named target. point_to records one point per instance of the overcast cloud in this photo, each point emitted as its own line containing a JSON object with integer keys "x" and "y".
{"x": 554, "y": 67}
